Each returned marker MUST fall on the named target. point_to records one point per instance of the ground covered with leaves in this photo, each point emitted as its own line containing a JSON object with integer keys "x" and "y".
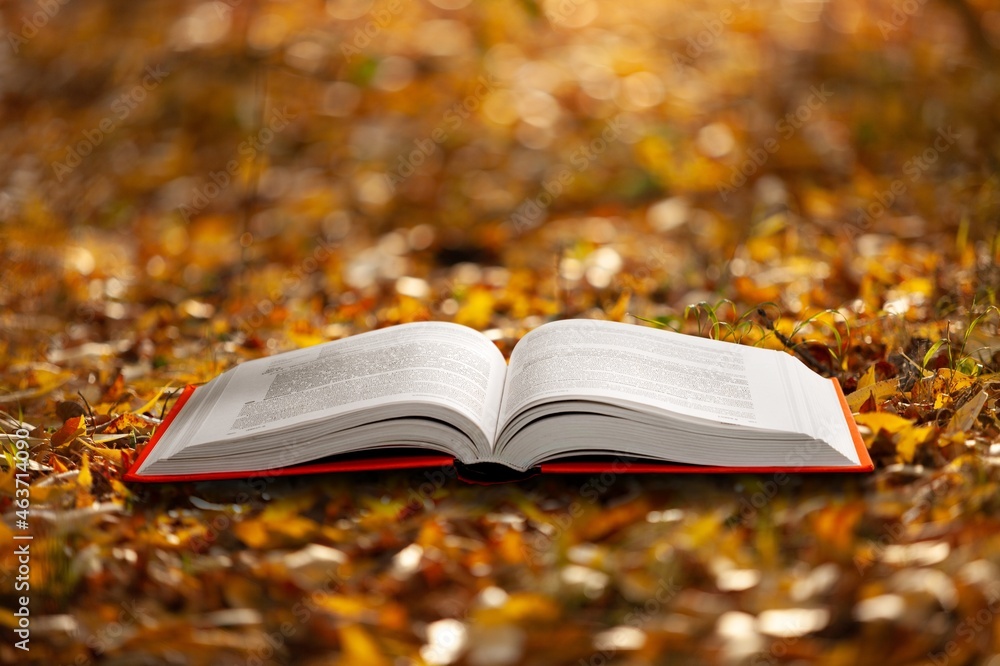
{"x": 185, "y": 186}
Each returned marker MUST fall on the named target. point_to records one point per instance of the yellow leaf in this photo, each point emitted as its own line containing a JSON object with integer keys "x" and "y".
{"x": 477, "y": 309}
{"x": 910, "y": 439}
{"x": 879, "y": 389}
{"x": 301, "y": 338}
{"x": 121, "y": 490}
{"x": 116, "y": 390}
{"x": 955, "y": 381}
{"x": 360, "y": 648}
{"x": 529, "y": 605}
{"x": 617, "y": 311}
{"x": 126, "y": 423}
{"x": 432, "y": 534}
{"x": 57, "y": 465}
{"x": 7, "y": 619}
{"x": 411, "y": 309}
{"x": 114, "y": 455}
{"x": 868, "y": 378}
{"x": 351, "y": 607}
{"x": 50, "y": 492}
{"x": 876, "y": 421}
{"x": 918, "y": 285}
{"x": 48, "y": 381}
{"x": 252, "y": 532}
{"x": 266, "y": 531}
{"x": 85, "y": 479}
{"x": 296, "y": 528}
{"x": 152, "y": 403}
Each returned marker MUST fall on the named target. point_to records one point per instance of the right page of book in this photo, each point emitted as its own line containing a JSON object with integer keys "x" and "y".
{"x": 686, "y": 375}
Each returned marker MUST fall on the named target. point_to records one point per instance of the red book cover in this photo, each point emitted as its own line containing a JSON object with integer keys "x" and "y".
{"x": 360, "y": 463}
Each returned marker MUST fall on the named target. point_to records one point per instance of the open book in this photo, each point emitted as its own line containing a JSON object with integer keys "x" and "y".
{"x": 576, "y": 395}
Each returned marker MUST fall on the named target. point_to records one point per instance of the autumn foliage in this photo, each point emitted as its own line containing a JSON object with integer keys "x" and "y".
{"x": 188, "y": 185}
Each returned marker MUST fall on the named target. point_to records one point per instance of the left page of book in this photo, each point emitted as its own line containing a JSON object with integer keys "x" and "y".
{"x": 331, "y": 398}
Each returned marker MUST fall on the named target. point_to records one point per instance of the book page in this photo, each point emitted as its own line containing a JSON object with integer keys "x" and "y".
{"x": 426, "y": 362}
{"x": 722, "y": 382}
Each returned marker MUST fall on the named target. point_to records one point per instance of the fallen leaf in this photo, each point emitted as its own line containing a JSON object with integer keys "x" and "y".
{"x": 967, "y": 414}
{"x": 876, "y": 421}
{"x": 360, "y": 648}
{"x": 477, "y": 310}
{"x": 877, "y": 392}
{"x": 114, "y": 455}
{"x": 70, "y": 430}
{"x": 911, "y": 438}
{"x": 868, "y": 378}
{"x": 85, "y": 479}
{"x": 67, "y": 409}
{"x": 126, "y": 423}
{"x": 116, "y": 390}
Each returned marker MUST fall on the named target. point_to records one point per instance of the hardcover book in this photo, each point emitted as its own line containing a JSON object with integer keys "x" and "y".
{"x": 576, "y": 396}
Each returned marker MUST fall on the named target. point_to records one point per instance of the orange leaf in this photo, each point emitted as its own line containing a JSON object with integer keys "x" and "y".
{"x": 71, "y": 429}
{"x": 57, "y": 465}
{"x": 116, "y": 389}
{"x": 127, "y": 423}
{"x": 869, "y": 405}
{"x": 835, "y": 525}
{"x": 617, "y": 311}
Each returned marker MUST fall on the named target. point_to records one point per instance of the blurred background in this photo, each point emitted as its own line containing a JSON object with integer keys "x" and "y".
{"x": 185, "y": 185}
{"x": 318, "y": 156}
